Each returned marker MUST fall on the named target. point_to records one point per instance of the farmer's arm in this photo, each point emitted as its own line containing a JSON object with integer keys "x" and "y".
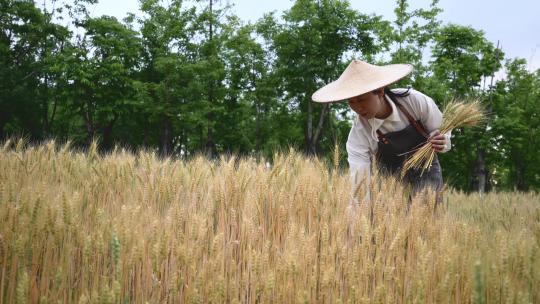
{"x": 359, "y": 162}
{"x": 431, "y": 118}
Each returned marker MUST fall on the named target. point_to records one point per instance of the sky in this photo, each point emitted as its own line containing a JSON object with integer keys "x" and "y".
{"x": 514, "y": 23}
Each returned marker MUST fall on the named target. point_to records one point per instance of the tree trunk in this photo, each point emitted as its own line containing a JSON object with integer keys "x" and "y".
{"x": 45, "y": 109}
{"x": 481, "y": 171}
{"x": 50, "y": 121}
{"x": 315, "y": 138}
{"x": 309, "y": 127}
{"x": 210, "y": 146}
{"x": 89, "y": 123}
{"x": 3, "y": 122}
{"x": 258, "y": 111}
{"x": 107, "y": 134}
{"x": 258, "y": 135}
{"x": 166, "y": 138}
{"x": 521, "y": 183}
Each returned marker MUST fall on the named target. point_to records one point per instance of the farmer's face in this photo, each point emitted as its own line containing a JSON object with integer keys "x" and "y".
{"x": 367, "y": 105}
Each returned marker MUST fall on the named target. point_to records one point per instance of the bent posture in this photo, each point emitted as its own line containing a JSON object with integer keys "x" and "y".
{"x": 388, "y": 124}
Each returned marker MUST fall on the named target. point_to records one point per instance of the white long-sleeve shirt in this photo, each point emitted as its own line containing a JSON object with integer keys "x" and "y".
{"x": 363, "y": 141}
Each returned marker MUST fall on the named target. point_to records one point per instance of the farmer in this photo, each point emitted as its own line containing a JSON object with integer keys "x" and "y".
{"x": 389, "y": 123}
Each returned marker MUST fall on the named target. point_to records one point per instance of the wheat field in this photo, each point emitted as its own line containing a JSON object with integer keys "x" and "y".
{"x": 81, "y": 227}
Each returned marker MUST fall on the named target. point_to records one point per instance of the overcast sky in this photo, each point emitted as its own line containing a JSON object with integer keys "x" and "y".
{"x": 513, "y": 23}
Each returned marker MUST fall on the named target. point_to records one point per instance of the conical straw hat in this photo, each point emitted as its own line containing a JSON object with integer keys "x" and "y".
{"x": 361, "y": 77}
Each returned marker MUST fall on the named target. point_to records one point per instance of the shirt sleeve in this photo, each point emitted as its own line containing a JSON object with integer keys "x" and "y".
{"x": 429, "y": 114}
{"x": 448, "y": 144}
{"x": 358, "y": 152}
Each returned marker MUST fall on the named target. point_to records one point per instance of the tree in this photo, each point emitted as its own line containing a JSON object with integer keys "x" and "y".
{"x": 411, "y": 33}
{"x": 168, "y": 75}
{"x": 311, "y": 48}
{"x": 102, "y": 76}
{"x": 30, "y": 46}
{"x": 516, "y": 125}
{"x": 462, "y": 56}
{"x": 250, "y": 99}
{"x": 212, "y": 34}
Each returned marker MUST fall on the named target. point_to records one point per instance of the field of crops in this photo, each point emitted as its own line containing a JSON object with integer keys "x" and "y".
{"x": 80, "y": 227}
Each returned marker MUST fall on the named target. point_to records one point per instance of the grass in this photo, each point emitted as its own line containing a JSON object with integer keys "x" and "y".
{"x": 133, "y": 228}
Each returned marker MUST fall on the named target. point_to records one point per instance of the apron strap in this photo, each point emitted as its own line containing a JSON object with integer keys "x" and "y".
{"x": 416, "y": 124}
{"x": 381, "y": 137}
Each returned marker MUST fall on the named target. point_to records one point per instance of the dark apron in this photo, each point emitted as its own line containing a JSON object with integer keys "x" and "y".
{"x": 395, "y": 147}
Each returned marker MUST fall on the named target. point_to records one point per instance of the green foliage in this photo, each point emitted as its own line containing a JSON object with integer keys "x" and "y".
{"x": 462, "y": 56}
{"x": 411, "y": 32}
{"x": 312, "y": 46}
{"x": 29, "y": 48}
{"x": 184, "y": 79}
{"x": 516, "y": 122}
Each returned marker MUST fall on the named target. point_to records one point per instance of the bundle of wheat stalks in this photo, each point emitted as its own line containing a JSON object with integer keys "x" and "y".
{"x": 456, "y": 114}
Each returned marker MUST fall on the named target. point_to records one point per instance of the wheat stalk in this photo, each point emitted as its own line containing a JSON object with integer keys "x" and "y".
{"x": 126, "y": 244}
{"x": 456, "y": 114}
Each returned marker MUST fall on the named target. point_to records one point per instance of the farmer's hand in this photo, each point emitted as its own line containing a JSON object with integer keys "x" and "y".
{"x": 438, "y": 140}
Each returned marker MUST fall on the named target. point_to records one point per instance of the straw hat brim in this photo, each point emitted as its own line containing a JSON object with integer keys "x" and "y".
{"x": 360, "y": 78}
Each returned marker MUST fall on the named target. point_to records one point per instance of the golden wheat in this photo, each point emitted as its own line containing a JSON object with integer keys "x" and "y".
{"x": 92, "y": 228}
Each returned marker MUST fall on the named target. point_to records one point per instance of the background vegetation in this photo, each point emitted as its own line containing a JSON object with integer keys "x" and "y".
{"x": 183, "y": 79}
